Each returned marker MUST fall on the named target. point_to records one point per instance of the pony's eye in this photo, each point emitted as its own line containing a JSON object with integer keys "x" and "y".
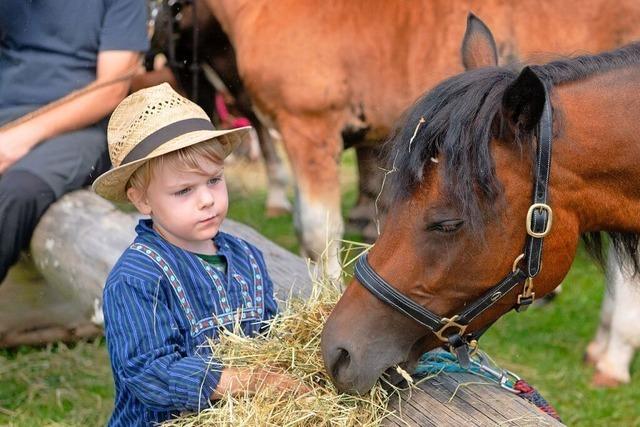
{"x": 448, "y": 226}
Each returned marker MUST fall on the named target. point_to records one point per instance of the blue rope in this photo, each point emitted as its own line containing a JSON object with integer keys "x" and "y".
{"x": 436, "y": 361}
{"x": 481, "y": 364}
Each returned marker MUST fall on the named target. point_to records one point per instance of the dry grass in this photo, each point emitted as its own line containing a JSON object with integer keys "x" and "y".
{"x": 292, "y": 345}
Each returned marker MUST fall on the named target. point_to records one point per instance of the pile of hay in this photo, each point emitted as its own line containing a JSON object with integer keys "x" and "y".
{"x": 292, "y": 345}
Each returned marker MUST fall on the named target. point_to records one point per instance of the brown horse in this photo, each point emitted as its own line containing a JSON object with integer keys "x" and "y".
{"x": 329, "y": 74}
{"x": 217, "y": 74}
{"x": 461, "y": 193}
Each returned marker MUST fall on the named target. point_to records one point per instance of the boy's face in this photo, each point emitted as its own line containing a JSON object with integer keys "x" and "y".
{"x": 187, "y": 208}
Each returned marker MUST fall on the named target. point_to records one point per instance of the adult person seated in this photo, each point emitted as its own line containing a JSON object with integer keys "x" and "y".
{"x": 49, "y": 49}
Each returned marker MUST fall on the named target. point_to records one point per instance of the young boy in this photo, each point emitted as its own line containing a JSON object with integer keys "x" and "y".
{"x": 182, "y": 279}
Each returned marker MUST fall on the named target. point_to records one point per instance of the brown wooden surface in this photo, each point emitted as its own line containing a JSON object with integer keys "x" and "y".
{"x": 475, "y": 403}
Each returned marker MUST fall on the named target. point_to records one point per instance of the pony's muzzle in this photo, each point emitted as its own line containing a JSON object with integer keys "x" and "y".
{"x": 337, "y": 363}
{"x": 340, "y": 364}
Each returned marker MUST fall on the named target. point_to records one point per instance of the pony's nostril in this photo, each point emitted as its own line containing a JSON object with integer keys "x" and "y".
{"x": 342, "y": 361}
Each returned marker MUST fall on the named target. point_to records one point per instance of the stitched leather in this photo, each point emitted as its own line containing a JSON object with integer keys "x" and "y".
{"x": 541, "y": 189}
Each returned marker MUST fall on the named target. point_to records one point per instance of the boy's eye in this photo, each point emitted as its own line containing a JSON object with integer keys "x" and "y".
{"x": 182, "y": 192}
{"x": 215, "y": 180}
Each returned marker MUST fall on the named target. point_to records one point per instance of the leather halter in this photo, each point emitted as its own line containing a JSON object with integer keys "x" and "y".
{"x": 525, "y": 267}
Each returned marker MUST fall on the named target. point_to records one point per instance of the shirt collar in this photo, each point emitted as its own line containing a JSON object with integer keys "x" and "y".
{"x": 145, "y": 230}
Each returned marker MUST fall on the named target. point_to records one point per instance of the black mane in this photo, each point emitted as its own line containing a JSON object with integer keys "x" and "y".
{"x": 458, "y": 117}
{"x": 461, "y": 116}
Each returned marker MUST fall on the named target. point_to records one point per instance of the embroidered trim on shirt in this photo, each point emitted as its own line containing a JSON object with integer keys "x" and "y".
{"x": 257, "y": 278}
{"x": 250, "y": 310}
{"x": 228, "y": 316}
{"x": 223, "y": 299}
{"x": 246, "y": 298}
{"x": 173, "y": 281}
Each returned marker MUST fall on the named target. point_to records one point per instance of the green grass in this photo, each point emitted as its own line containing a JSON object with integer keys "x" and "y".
{"x": 72, "y": 386}
{"x": 545, "y": 346}
{"x": 57, "y": 385}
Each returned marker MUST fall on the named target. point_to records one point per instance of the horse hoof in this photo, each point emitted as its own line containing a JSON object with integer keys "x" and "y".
{"x": 602, "y": 380}
{"x": 589, "y": 360}
{"x": 593, "y": 353}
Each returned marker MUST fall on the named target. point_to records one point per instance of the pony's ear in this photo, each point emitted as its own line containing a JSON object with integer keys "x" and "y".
{"x": 523, "y": 101}
{"x": 478, "y": 46}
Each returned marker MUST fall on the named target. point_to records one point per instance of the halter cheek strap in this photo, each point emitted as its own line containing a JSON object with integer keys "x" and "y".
{"x": 525, "y": 267}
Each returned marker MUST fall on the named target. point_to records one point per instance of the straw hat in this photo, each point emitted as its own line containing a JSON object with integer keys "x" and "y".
{"x": 152, "y": 122}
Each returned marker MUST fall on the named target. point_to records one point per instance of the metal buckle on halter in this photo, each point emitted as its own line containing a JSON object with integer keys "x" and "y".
{"x": 547, "y": 229}
{"x": 516, "y": 261}
{"x": 456, "y": 341}
{"x": 526, "y": 298}
{"x": 473, "y": 347}
{"x": 450, "y": 323}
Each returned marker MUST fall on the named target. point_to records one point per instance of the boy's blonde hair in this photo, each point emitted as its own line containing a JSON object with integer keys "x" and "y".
{"x": 186, "y": 160}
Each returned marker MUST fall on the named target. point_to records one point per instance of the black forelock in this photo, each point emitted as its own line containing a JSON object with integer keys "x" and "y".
{"x": 458, "y": 120}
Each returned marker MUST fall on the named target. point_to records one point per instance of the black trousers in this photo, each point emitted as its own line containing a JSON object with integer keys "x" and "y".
{"x": 49, "y": 171}
{"x": 24, "y": 197}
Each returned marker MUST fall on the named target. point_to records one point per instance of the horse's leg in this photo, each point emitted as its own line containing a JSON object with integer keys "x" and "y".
{"x": 363, "y": 215}
{"x": 277, "y": 177}
{"x": 314, "y": 146}
{"x": 598, "y": 345}
{"x": 612, "y": 367}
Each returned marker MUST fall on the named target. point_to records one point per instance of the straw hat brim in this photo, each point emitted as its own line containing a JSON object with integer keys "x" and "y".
{"x": 112, "y": 184}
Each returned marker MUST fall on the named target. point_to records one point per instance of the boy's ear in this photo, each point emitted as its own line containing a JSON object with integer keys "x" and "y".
{"x": 139, "y": 200}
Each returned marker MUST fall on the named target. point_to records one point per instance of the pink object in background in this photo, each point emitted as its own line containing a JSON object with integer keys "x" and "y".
{"x": 227, "y": 119}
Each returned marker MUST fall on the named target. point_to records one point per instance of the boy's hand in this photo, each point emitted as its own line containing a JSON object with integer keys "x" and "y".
{"x": 241, "y": 381}
{"x": 280, "y": 381}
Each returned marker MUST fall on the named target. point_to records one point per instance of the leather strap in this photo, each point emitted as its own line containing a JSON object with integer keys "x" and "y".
{"x": 540, "y": 220}
{"x": 385, "y": 292}
{"x": 492, "y": 296}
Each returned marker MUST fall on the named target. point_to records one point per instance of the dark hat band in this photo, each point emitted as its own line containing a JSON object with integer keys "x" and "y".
{"x": 165, "y": 134}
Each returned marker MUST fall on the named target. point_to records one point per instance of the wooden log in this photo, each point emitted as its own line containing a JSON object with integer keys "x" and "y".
{"x": 459, "y": 399}
{"x": 33, "y": 312}
{"x": 75, "y": 245}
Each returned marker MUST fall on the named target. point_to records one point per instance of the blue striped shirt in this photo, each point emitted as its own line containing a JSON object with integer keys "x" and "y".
{"x": 161, "y": 305}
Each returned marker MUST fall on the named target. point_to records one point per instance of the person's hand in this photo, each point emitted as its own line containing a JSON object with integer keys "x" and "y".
{"x": 279, "y": 381}
{"x": 241, "y": 381}
{"x": 15, "y": 143}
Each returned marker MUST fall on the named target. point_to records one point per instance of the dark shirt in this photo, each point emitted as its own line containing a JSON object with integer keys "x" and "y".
{"x": 161, "y": 306}
{"x": 49, "y": 48}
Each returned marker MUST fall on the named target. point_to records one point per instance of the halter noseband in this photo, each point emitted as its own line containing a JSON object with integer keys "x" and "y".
{"x": 525, "y": 267}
